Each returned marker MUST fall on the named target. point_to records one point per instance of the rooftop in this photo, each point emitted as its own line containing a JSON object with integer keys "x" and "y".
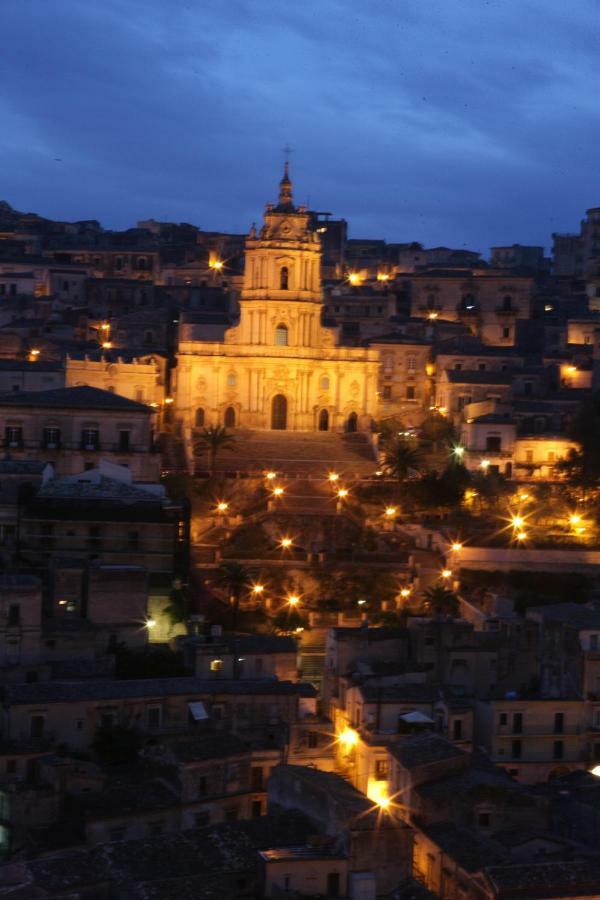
{"x": 73, "y": 691}
{"x": 424, "y": 749}
{"x": 82, "y": 397}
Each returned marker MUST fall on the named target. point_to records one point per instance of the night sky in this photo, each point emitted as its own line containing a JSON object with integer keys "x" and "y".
{"x": 456, "y": 122}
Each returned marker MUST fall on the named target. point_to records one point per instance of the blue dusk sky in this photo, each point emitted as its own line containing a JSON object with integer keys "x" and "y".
{"x": 457, "y": 122}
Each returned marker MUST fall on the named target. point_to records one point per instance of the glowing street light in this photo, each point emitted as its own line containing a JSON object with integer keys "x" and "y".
{"x": 278, "y": 492}
{"x": 150, "y": 623}
{"x": 432, "y": 315}
{"x": 34, "y": 354}
{"x": 485, "y": 464}
{"x": 222, "y": 506}
{"x": 169, "y": 400}
{"x": 354, "y": 278}
{"x": 348, "y": 738}
{"x": 258, "y": 589}
{"x": 293, "y": 599}
{"x": 405, "y": 592}
{"x": 391, "y": 511}
{"x": 286, "y": 543}
{"x": 333, "y": 477}
{"x": 106, "y": 345}
{"x": 574, "y": 520}
{"x": 342, "y": 493}
{"x": 271, "y": 476}
{"x": 458, "y": 451}
{"x": 446, "y": 573}
{"x": 517, "y": 521}
{"x": 216, "y": 264}
{"x": 521, "y": 536}
{"x": 456, "y": 547}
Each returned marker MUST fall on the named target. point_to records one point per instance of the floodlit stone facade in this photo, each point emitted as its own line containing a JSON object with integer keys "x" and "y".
{"x": 279, "y": 367}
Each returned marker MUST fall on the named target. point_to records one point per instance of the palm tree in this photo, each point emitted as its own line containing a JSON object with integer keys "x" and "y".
{"x": 234, "y": 578}
{"x": 440, "y": 601}
{"x": 400, "y": 458}
{"x": 214, "y": 439}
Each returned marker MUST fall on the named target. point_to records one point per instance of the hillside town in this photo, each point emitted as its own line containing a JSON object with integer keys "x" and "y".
{"x": 300, "y": 542}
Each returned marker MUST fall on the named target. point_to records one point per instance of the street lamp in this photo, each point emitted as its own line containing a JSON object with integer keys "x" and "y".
{"x": 278, "y": 492}
{"x": 293, "y": 599}
{"x": 342, "y": 493}
{"x": 391, "y": 511}
{"x": 222, "y": 507}
{"x": 286, "y": 543}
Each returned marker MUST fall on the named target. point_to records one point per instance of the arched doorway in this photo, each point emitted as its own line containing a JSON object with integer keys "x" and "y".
{"x": 279, "y": 412}
{"x": 229, "y": 420}
{"x": 352, "y": 422}
{"x": 324, "y": 420}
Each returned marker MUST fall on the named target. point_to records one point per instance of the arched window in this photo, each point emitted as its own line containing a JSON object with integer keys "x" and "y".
{"x": 199, "y": 419}
{"x": 284, "y": 278}
{"x": 325, "y": 383}
{"x": 229, "y": 419}
{"x": 507, "y": 303}
{"x": 411, "y": 363}
{"x": 323, "y": 420}
{"x": 231, "y": 380}
{"x": 281, "y": 336}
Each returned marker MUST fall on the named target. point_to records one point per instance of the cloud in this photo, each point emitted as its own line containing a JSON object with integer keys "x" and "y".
{"x": 463, "y": 123}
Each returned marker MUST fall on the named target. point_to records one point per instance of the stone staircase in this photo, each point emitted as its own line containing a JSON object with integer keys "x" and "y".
{"x": 308, "y": 454}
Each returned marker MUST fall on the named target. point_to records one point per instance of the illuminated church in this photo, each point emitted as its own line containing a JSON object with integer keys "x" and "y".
{"x": 279, "y": 367}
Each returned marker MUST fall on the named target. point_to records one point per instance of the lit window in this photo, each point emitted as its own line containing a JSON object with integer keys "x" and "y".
{"x": 324, "y": 383}
{"x": 231, "y": 380}
{"x": 281, "y": 336}
{"x": 216, "y": 665}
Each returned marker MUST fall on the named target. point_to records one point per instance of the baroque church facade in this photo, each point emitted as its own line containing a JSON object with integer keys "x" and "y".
{"x": 279, "y": 368}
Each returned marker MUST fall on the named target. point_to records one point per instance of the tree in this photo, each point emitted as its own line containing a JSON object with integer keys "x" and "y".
{"x": 234, "y": 578}
{"x": 177, "y": 609}
{"x": 437, "y": 430}
{"x": 440, "y": 601}
{"x": 288, "y": 620}
{"x": 212, "y": 440}
{"x": 116, "y": 744}
{"x": 401, "y": 458}
{"x": 585, "y": 429}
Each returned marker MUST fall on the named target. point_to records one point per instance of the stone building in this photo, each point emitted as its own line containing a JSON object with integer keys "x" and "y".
{"x": 279, "y": 367}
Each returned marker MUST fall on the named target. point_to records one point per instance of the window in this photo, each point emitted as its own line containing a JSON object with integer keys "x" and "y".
{"x": 313, "y": 740}
{"x": 410, "y": 392}
{"x": 124, "y": 441}
{"x": 558, "y": 750}
{"x": 90, "y": 439}
{"x": 13, "y": 435}
{"x": 281, "y": 336}
{"x": 483, "y": 820}
{"x": 216, "y": 665}
{"x": 36, "y": 726}
{"x": 551, "y": 456}
{"x": 457, "y": 731}
{"x": 256, "y": 808}
{"x": 229, "y": 418}
{"x": 387, "y": 392}
{"x": 381, "y": 769}
{"x": 258, "y": 665}
{"x": 517, "y": 722}
{"x": 142, "y": 262}
{"x": 493, "y": 442}
{"x": 156, "y": 827}
{"x": 11, "y": 766}
{"x": 284, "y": 278}
{"x": 119, "y": 262}
{"x": 256, "y": 778}
{"x": 107, "y": 720}
{"x": 516, "y": 749}
{"x": 507, "y": 303}
{"x": 529, "y": 456}
{"x": 51, "y": 438}
{"x": 14, "y": 615}
{"x": 231, "y": 380}
{"x": 506, "y": 334}
{"x": 133, "y": 540}
{"x": 324, "y": 383}
{"x": 202, "y": 786}
{"x": 201, "y": 820}
{"x": 559, "y": 723}
{"x": 593, "y": 641}
{"x": 411, "y": 363}
{"x": 199, "y": 418}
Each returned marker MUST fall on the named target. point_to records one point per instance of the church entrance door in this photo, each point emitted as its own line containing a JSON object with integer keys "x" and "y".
{"x": 323, "y": 420}
{"x": 279, "y": 413}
